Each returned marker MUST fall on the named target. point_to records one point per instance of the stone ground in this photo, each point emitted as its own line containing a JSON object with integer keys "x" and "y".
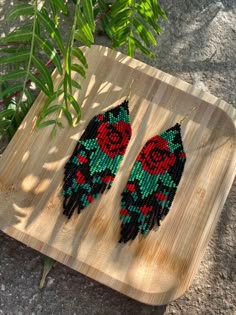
{"x": 199, "y": 46}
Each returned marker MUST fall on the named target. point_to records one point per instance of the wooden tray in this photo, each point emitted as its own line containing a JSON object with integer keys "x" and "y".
{"x": 160, "y": 267}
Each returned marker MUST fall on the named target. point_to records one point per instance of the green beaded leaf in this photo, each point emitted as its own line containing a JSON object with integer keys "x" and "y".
{"x": 167, "y": 180}
{"x": 169, "y": 135}
{"x": 123, "y": 116}
{"x": 100, "y": 162}
{"x": 90, "y": 144}
{"x": 147, "y": 182}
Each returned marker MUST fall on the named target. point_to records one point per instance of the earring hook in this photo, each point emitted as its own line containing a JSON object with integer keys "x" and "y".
{"x": 187, "y": 115}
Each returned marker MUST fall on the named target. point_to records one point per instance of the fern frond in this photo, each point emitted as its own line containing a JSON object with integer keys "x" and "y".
{"x": 134, "y": 24}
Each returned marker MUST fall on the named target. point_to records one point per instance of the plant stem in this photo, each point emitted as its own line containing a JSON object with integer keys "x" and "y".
{"x": 67, "y": 58}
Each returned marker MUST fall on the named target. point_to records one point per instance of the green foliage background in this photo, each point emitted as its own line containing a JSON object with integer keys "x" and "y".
{"x": 130, "y": 23}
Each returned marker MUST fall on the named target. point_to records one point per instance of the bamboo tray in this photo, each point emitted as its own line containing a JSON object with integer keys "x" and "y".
{"x": 159, "y": 268}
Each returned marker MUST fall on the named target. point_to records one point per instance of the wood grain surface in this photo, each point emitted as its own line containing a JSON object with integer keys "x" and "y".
{"x": 160, "y": 267}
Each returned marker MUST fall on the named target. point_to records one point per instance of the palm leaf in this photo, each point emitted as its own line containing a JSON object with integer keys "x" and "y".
{"x": 17, "y": 36}
{"x": 88, "y": 13}
{"x": 20, "y": 10}
{"x": 79, "y": 69}
{"x": 51, "y": 29}
{"x": 39, "y": 83}
{"x": 50, "y": 51}
{"x": 77, "y": 52}
{"x": 44, "y": 72}
{"x": 14, "y": 75}
{"x": 16, "y": 57}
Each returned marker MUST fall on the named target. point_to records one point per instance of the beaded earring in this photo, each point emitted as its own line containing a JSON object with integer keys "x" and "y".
{"x": 94, "y": 163}
{"x": 152, "y": 184}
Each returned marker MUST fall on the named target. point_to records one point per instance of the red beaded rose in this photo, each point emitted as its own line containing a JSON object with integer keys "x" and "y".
{"x": 113, "y": 138}
{"x": 156, "y": 157}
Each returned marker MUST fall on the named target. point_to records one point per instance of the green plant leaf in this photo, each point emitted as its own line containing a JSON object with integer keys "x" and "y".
{"x": 48, "y": 111}
{"x": 121, "y": 20}
{"x": 119, "y": 6}
{"x": 54, "y": 131}
{"x": 46, "y": 123}
{"x": 13, "y": 58}
{"x": 29, "y": 96}
{"x": 7, "y": 102}
{"x": 131, "y": 46}
{"x": 105, "y": 19}
{"x": 142, "y": 29}
{"x": 142, "y": 48}
{"x": 17, "y": 36}
{"x": 40, "y": 84}
{"x": 51, "y": 29}
{"x": 11, "y": 90}
{"x": 79, "y": 69}
{"x": 144, "y": 10}
{"x": 61, "y": 5}
{"x": 67, "y": 77}
{"x": 105, "y": 12}
{"x": 127, "y": 22}
{"x": 52, "y": 97}
{"x": 84, "y": 27}
{"x": 68, "y": 116}
{"x": 58, "y": 6}
{"x": 13, "y": 49}
{"x": 77, "y": 52}
{"x": 20, "y": 10}
{"x": 76, "y": 106}
{"x": 76, "y": 84}
{"x": 17, "y": 119}
{"x": 14, "y": 75}
{"x": 50, "y": 51}
{"x": 37, "y": 28}
{"x": 103, "y": 5}
{"x": 65, "y": 90}
{"x": 79, "y": 35}
{"x": 4, "y": 124}
{"x": 53, "y": 7}
{"x": 122, "y": 36}
{"x": 88, "y": 13}
{"x": 48, "y": 264}
{"x": 119, "y": 42}
{"x": 44, "y": 72}
{"x": 6, "y": 114}
{"x": 68, "y": 60}
{"x": 123, "y": 33}
{"x": 157, "y": 10}
{"x": 24, "y": 108}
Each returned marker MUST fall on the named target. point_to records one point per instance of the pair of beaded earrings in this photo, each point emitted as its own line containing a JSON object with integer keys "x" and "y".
{"x": 151, "y": 187}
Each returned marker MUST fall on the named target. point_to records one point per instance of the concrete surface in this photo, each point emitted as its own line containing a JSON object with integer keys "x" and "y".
{"x": 199, "y": 46}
